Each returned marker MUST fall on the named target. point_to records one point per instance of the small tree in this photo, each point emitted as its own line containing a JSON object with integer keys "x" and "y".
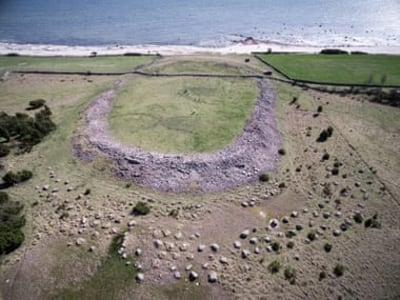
{"x": 141, "y": 208}
{"x": 339, "y": 270}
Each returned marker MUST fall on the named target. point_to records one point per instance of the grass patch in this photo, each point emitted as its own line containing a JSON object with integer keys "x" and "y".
{"x": 110, "y": 279}
{"x": 182, "y": 114}
{"x": 109, "y": 64}
{"x": 346, "y": 69}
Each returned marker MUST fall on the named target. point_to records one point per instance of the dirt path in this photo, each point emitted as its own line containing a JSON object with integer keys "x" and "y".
{"x": 254, "y": 151}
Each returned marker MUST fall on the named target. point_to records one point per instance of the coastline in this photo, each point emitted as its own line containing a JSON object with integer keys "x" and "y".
{"x": 247, "y": 46}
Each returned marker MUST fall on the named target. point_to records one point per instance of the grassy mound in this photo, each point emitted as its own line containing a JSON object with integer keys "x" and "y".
{"x": 182, "y": 114}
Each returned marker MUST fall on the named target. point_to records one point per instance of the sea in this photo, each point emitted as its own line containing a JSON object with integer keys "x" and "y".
{"x": 208, "y": 23}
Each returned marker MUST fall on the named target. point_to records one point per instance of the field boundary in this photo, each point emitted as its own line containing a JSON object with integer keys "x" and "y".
{"x": 325, "y": 83}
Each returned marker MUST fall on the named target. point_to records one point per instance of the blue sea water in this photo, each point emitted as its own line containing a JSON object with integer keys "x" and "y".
{"x": 200, "y": 22}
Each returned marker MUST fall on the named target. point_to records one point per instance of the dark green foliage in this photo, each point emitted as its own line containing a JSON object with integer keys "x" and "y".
{"x": 358, "y": 218}
{"x": 328, "y": 247}
{"x": 4, "y": 150}
{"x": 264, "y": 177}
{"x": 333, "y": 51}
{"x": 339, "y": 270}
{"x": 11, "y": 236}
{"x": 141, "y": 209}
{"x": 24, "y": 129}
{"x": 290, "y": 275}
{"x": 335, "y": 171}
{"x": 282, "y": 151}
{"x": 87, "y": 192}
{"x": 274, "y": 267}
{"x": 11, "y": 178}
{"x": 325, "y": 156}
{"x": 325, "y": 134}
{"x": 319, "y": 110}
{"x": 372, "y": 222}
{"x": 35, "y": 104}
{"x": 276, "y": 246}
{"x": 322, "y": 275}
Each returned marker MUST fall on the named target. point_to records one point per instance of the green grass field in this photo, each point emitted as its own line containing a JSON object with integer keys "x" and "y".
{"x": 346, "y": 69}
{"x": 111, "y": 64}
{"x": 182, "y": 114}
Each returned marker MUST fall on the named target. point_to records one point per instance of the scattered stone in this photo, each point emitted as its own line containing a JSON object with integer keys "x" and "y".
{"x": 205, "y": 266}
{"x": 212, "y": 277}
{"x": 177, "y": 275}
{"x": 214, "y": 247}
{"x": 252, "y": 203}
{"x": 201, "y": 248}
{"x": 274, "y": 223}
{"x": 131, "y": 223}
{"x": 166, "y": 232}
{"x": 245, "y": 253}
{"x": 269, "y": 248}
{"x": 80, "y": 241}
{"x": 336, "y": 232}
{"x": 178, "y": 235}
{"x": 140, "y": 277}
{"x": 299, "y": 227}
{"x": 138, "y": 266}
{"x": 223, "y": 260}
{"x": 245, "y": 234}
{"x": 169, "y": 246}
{"x": 305, "y": 210}
{"x": 244, "y": 204}
{"x": 158, "y": 244}
{"x": 366, "y": 196}
{"x": 285, "y": 219}
{"x": 138, "y": 252}
{"x": 267, "y": 239}
{"x": 338, "y": 214}
{"x": 344, "y": 226}
{"x": 326, "y": 215}
{"x": 294, "y": 214}
{"x": 92, "y": 249}
{"x": 193, "y": 276}
{"x": 184, "y": 247}
{"x": 45, "y": 187}
{"x": 315, "y": 214}
{"x": 237, "y": 244}
{"x": 188, "y": 267}
{"x": 257, "y": 250}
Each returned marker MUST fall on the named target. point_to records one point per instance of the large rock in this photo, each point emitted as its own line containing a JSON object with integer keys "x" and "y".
{"x": 193, "y": 276}
{"x": 245, "y": 234}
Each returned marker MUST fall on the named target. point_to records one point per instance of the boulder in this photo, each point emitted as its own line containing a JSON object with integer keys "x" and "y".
{"x": 245, "y": 234}
{"x": 237, "y": 244}
{"x": 212, "y": 277}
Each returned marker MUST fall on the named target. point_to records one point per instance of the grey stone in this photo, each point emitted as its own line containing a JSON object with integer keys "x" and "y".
{"x": 223, "y": 260}
{"x": 177, "y": 275}
{"x": 245, "y": 234}
{"x": 193, "y": 276}
{"x": 237, "y": 244}
{"x": 140, "y": 277}
{"x": 245, "y": 253}
{"x": 214, "y": 247}
{"x": 253, "y": 240}
{"x": 201, "y": 247}
{"x": 212, "y": 277}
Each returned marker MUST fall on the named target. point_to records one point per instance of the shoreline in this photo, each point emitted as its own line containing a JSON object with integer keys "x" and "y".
{"x": 247, "y": 46}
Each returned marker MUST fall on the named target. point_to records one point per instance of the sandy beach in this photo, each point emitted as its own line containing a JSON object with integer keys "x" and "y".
{"x": 246, "y": 47}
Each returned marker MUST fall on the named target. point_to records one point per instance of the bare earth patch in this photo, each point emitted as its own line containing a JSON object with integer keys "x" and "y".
{"x": 254, "y": 150}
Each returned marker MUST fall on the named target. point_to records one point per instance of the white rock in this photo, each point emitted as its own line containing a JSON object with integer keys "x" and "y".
{"x": 193, "y": 276}
{"x": 140, "y": 277}
{"x": 201, "y": 248}
{"x": 245, "y": 234}
{"x": 245, "y": 253}
{"x": 214, "y": 247}
{"x": 253, "y": 240}
{"x": 223, "y": 260}
{"x": 237, "y": 244}
{"x": 294, "y": 214}
{"x": 188, "y": 267}
{"x": 80, "y": 241}
{"x": 177, "y": 275}
{"x": 212, "y": 276}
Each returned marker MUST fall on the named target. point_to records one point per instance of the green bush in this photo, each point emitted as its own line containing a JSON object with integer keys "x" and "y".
{"x": 141, "y": 208}
{"x": 311, "y": 235}
{"x": 319, "y": 110}
{"x": 274, "y": 267}
{"x": 322, "y": 275}
{"x": 11, "y": 236}
{"x": 35, "y": 104}
{"x": 325, "y": 134}
{"x": 325, "y": 156}
{"x": 4, "y": 150}
{"x": 264, "y": 177}
{"x": 282, "y": 151}
{"x": 11, "y": 178}
{"x": 276, "y": 246}
{"x": 358, "y": 218}
{"x": 328, "y": 247}
{"x": 339, "y": 270}
{"x": 290, "y": 275}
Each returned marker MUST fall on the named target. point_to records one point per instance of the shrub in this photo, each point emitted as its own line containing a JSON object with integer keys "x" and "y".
{"x": 329, "y": 130}
{"x": 325, "y": 156}
{"x": 335, "y": 171}
{"x": 322, "y": 275}
{"x": 372, "y": 222}
{"x": 358, "y": 218}
{"x": 282, "y": 151}
{"x": 339, "y": 270}
{"x": 274, "y": 267}
{"x": 11, "y": 178}
{"x": 325, "y": 134}
{"x": 328, "y": 247}
{"x": 290, "y": 275}
{"x": 264, "y": 177}
{"x": 35, "y": 104}
{"x": 141, "y": 208}
{"x": 87, "y": 192}
{"x": 290, "y": 245}
{"x": 11, "y": 236}
{"x": 4, "y": 150}
{"x": 276, "y": 246}
{"x": 333, "y": 51}
{"x": 319, "y": 110}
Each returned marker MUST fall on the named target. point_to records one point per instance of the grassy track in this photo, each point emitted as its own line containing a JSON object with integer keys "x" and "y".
{"x": 182, "y": 114}
{"x": 72, "y": 64}
{"x": 346, "y": 69}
